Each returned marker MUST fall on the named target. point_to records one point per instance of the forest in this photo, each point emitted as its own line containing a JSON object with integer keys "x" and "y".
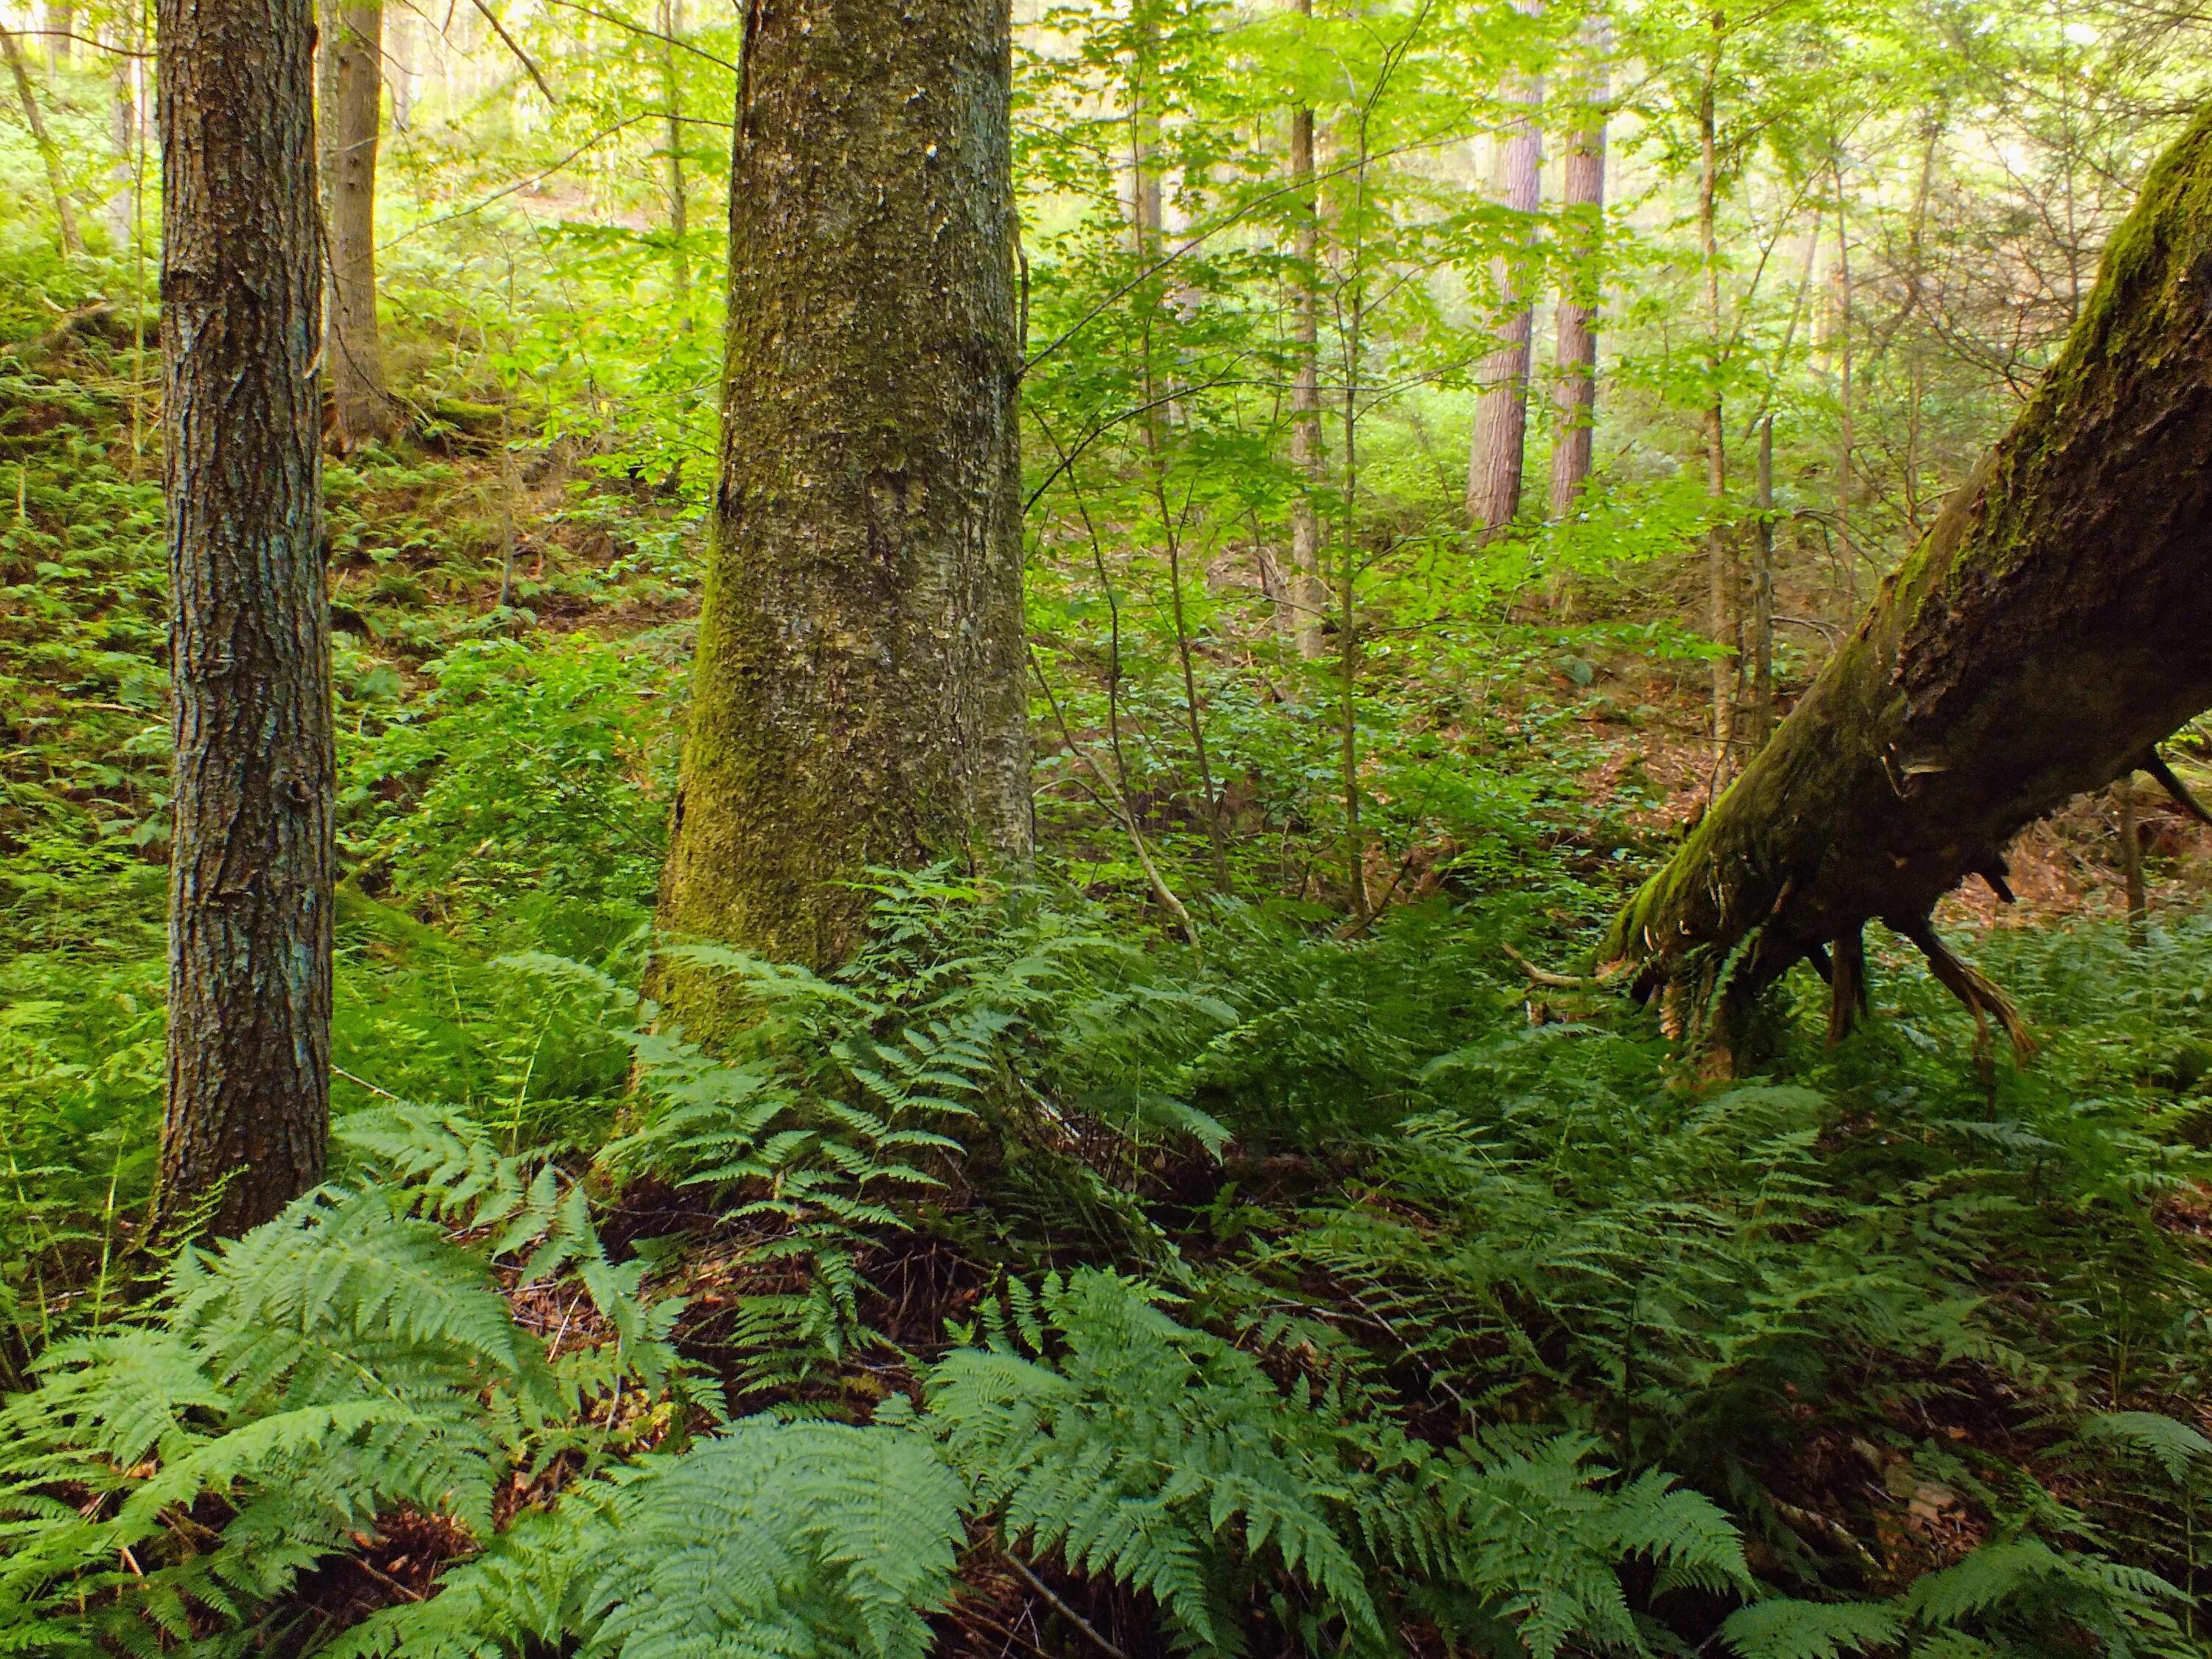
{"x": 1105, "y": 828}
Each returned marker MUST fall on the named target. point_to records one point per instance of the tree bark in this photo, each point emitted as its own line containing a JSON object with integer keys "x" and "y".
{"x": 2051, "y": 628}
{"x": 858, "y": 697}
{"x": 353, "y": 347}
{"x": 50, "y": 154}
{"x": 1581, "y": 234}
{"x": 1501, "y": 410}
{"x": 250, "y": 874}
{"x": 1309, "y": 587}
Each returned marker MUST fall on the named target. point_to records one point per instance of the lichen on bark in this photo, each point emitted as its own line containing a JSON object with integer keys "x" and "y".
{"x": 858, "y": 697}
{"x": 2051, "y": 628}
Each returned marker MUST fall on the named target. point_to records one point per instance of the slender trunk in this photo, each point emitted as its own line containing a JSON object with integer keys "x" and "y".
{"x": 401, "y": 73}
{"x": 250, "y": 873}
{"x": 353, "y": 349}
{"x": 1348, "y": 619}
{"x": 61, "y": 33}
{"x": 1216, "y": 832}
{"x": 49, "y": 152}
{"x": 1762, "y": 596}
{"x": 859, "y": 697}
{"x": 1501, "y": 410}
{"x": 1582, "y": 203}
{"x": 1308, "y": 588}
{"x": 1720, "y": 562}
{"x": 2052, "y": 627}
{"x": 122, "y": 136}
{"x": 1844, "y": 459}
{"x": 2132, "y": 867}
{"x": 679, "y": 205}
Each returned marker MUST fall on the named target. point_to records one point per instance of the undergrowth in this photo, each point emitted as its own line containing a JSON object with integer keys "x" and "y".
{"x": 1295, "y": 1294}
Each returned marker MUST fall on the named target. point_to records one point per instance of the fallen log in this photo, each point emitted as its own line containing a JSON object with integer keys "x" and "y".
{"x": 2049, "y": 631}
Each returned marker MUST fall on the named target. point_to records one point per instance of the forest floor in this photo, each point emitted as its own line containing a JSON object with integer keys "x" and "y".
{"x": 1896, "y": 1308}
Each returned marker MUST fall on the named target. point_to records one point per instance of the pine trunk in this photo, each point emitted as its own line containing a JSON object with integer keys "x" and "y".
{"x": 250, "y": 876}
{"x": 1501, "y": 410}
{"x": 1581, "y": 234}
{"x": 354, "y": 347}
{"x": 859, "y": 697}
{"x": 2051, "y": 628}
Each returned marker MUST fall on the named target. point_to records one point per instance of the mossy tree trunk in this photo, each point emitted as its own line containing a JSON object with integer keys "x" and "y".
{"x": 2051, "y": 628}
{"x": 859, "y": 695}
{"x": 250, "y": 871}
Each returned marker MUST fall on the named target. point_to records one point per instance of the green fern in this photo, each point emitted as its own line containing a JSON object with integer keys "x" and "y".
{"x": 772, "y": 1540}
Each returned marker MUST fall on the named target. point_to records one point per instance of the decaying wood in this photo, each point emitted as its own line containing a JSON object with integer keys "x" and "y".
{"x": 2055, "y": 625}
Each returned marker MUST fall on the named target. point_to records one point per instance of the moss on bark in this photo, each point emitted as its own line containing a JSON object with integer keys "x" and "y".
{"x": 2054, "y": 624}
{"x": 859, "y": 697}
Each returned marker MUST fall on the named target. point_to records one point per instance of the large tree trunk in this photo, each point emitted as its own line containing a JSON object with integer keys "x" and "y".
{"x": 250, "y": 876}
{"x": 1581, "y": 236}
{"x": 353, "y": 346}
{"x": 2054, "y": 624}
{"x": 1501, "y": 410}
{"x": 858, "y": 697}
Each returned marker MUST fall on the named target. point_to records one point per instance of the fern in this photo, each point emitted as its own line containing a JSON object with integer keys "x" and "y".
{"x": 1783, "y": 1629}
{"x": 772, "y": 1540}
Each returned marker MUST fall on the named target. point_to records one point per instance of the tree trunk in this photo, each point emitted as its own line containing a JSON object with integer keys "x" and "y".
{"x": 353, "y": 347}
{"x": 1581, "y": 236}
{"x": 1501, "y": 410}
{"x": 2051, "y": 628}
{"x": 679, "y": 204}
{"x": 250, "y": 874}
{"x": 1720, "y": 562}
{"x": 61, "y": 33}
{"x": 1762, "y": 596}
{"x": 50, "y": 153}
{"x": 858, "y": 697}
{"x": 1308, "y": 588}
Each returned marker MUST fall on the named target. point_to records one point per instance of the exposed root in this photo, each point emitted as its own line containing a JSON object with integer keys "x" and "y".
{"x": 2151, "y": 764}
{"x": 1565, "y": 981}
{"x": 1970, "y": 985}
{"x": 1847, "y": 986}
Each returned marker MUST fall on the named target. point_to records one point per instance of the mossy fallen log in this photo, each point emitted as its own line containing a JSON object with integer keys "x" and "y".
{"x": 2051, "y": 629}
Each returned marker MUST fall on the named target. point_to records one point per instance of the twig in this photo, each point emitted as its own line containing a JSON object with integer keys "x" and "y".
{"x": 521, "y": 56}
{"x": 1061, "y": 1607}
{"x": 363, "y": 1083}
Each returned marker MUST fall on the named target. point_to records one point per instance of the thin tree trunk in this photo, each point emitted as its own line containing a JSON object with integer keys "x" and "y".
{"x": 122, "y": 136}
{"x": 61, "y": 33}
{"x": 2131, "y": 864}
{"x": 2051, "y": 628}
{"x": 1762, "y": 596}
{"x": 1720, "y": 562}
{"x": 354, "y": 349}
{"x": 858, "y": 697}
{"x": 1308, "y": 588}
{"x": 1582, "y": 204}
{"x": 49, "y": 152}
{"x": 250, "y": 874}
{"x": 1501, "y": 410}
{"x": 1845, "y": 458}
{"x": 679, "y": 205}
